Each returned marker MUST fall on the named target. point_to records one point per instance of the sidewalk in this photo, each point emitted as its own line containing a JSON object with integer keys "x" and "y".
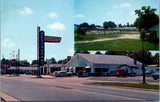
{"x": 7, "y": 97}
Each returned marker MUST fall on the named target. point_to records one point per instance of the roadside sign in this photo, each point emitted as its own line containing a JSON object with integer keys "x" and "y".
{"x": 41, "y": 48}
{"x": 52, "y": 39}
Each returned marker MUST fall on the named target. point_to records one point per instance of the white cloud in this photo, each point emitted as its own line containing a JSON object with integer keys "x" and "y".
{"x": 125, "y": 5}
{"x": 25, "y": 11}
{"x": 71, "y": 50}
{"x": 52, "y": 15}
{"x": 79, "y": 16}
{"x": 7, "y": 43}
{"x": 56, "y": 26}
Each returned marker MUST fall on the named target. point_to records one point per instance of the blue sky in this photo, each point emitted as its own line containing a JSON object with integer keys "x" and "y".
{"x": 20, "y": 18}
{"x": 118, "y": 11}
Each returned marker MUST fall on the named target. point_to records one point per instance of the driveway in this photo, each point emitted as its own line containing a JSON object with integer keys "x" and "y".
{"x": 124, "y": 36}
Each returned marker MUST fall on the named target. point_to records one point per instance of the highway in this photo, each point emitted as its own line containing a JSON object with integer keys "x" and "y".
{"x": 33, "y": 89}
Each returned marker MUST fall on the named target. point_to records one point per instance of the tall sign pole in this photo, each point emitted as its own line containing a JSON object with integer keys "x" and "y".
{"x": 41, "y": 39}
{"x": 38, "y": 67}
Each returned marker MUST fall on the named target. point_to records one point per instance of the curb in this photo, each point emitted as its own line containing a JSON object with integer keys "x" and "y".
{"x": 7, "y": 97}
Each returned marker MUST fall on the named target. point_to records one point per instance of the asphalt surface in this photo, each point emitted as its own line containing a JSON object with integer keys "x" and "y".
{"x": 29, "y": 88}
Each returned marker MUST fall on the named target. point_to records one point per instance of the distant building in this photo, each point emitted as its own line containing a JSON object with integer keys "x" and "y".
{"x": 124, "y": 29}
{"x": 50, "y": 68}
{"x": 100, "y": 64}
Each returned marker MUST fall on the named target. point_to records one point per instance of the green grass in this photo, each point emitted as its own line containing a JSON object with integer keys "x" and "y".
{"x": 94, "y": 36}
{"x": 116, "y": 45}
{"x": 135, "y": 85}
{"x": 99, "y": 36}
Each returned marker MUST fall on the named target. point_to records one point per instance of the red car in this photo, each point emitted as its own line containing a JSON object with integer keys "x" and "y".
{"x": 120, "y": 72}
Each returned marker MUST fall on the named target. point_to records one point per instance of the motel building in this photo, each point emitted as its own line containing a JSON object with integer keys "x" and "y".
{"x": 102, "y": 64}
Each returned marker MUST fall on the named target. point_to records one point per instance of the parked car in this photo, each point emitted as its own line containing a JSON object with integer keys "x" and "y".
{"x": 28, "y": 73}
{"x": 132, "y": 73}
{"x": 120, "y": 72}
{"x": 155, "y": 76}
{"x": 62, "y": 73}
{"x": 149, "y": 73}
{"x": 83, "y": 74}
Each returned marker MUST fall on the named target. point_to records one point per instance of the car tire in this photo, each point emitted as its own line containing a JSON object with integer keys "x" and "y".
{"x": 155, "y": 78}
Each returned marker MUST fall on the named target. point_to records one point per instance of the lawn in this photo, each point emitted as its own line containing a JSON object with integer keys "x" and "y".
{"x": 99, "y": 36}
{"x": 135, "y": 85}
{"x": 116, "y": 45}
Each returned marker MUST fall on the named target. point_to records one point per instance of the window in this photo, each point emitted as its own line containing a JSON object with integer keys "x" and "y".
{"x": 97, "y": 69}
{"x": 105, "y": 69}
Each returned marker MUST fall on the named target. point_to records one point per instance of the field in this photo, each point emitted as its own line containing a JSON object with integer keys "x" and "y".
{"x": 99, "y": 36}
{"x": 116, "y": 45}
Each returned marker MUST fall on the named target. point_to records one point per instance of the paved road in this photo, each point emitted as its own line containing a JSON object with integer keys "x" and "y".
{"x": 33, "y": 89}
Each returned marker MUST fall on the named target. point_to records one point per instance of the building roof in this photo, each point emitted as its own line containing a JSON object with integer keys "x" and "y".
{"x": 125, "y": 28}
{"x": 55, "y": 65}
{"x": 108, "y": 59}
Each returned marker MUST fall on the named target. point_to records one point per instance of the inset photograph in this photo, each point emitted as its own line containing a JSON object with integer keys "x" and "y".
{"x": 116, "y": 25}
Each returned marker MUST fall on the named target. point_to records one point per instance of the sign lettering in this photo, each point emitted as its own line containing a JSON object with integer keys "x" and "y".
{"x": 52, "y": 39}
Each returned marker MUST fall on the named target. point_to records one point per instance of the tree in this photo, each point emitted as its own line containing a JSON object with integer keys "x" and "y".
{"x": 24, "y": 62}
{"x": 120, "y": 25}
{"x": 137, "y": 23}
{"x": 53, "y": 60}
{"x": 134, "y": 54}
{"x": 80, "y": 31}
{"x": 116, "y": 53}
{"x": 128, "y": 24}
{"x": 109, "y": 24}
{"x": 132, "y": 25}
{"x": 156, "y": 58}
{"x": 92, "y": 27}
{"x": 154, "y": 38}
{"x": 99, "y": 53}
{"x": 34, "y": 62}
{"x": 147, "y": 17}
{"x": 85, "y": 52}
{"x": 84, "y": 26}
{"x": 4, "y": 61}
